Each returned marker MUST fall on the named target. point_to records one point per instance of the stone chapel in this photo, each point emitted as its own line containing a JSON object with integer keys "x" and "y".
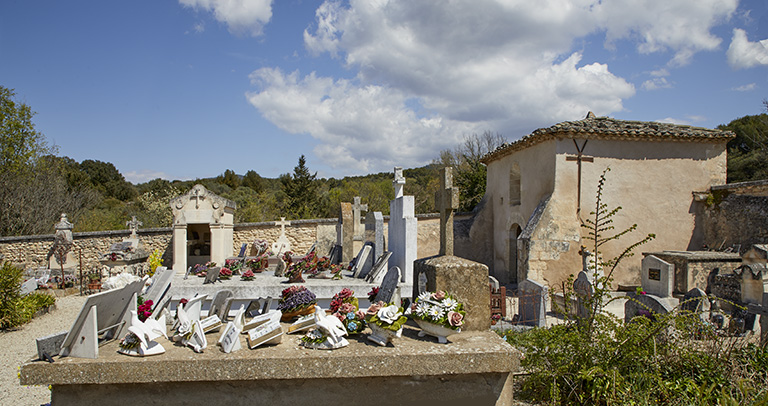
{"x": 541, "y": 188}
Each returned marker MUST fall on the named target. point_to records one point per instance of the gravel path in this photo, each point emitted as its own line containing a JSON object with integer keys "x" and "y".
{"x": 19, "y": 347}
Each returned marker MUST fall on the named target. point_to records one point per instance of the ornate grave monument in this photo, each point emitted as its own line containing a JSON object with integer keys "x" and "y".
{"x": 126, "y": 255}
{"x": 202, "y": 228}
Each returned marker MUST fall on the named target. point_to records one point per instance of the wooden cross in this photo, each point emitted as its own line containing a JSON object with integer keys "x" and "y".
{"x": 133, "y": 225}
{"x": 579, "y": 159}
{"x": 197, "y": 196}
{"x": 446, "y": 201}
{"x": 282, "y": 223}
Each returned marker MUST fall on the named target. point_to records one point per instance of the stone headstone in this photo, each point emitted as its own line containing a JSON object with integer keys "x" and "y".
{"x": 645, "y": 305}
{"x": 388, "y": 290}
{"x": 282, "y": 244}
{"x": 446, "y": 201}
{"x": 374, "y": 233}
{"x": 357, "y": 210}
{"x": 243, "y": 247}
{"x": 753, "y": 281}
{"x": 161, "y": 282}
{"x": 584, "y": 290}
{"x": 217, "y": 304}
{"x": 345, "y": 232}
{"x": 334, "y": 255}
{"x": 696, "y": 301}
{"x": 403, "y": 229}
{"x": 359, "y": 269}
{"x": 212, "y": 275}
{"x": 230, "y": 338}
{"x": 532, "y": 299}
{"x": 657, "y": 276}
{"x": 280, "y": 268}
{"x": 377, "y": 271}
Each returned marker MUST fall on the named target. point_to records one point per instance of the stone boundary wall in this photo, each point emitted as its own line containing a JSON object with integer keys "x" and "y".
{"x": 32, "y": 251}
{"x": 736, "y": 219}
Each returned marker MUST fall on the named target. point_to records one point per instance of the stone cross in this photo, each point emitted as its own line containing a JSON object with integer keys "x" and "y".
{"x": 399, "y": 182}
{"x": 356, "y": 209}
{"x": 197, "y": 196}
{"x": 579, "y": 158}
{"x": 282, "y": 223}
{"x": 134, "y": 225}
{"x": 446, "y": 201}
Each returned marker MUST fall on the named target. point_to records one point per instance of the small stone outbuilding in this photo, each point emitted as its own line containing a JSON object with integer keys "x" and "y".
{"x": 541, "y": 188}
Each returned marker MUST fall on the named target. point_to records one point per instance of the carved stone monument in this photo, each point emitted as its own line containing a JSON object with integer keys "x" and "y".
{"x": 345, "y": 232}
{"x": 465, "y": 279}
{"x": 403, "y": 229}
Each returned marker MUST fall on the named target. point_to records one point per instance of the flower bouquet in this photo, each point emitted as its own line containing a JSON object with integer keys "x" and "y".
{"x": 144, "y": 309}
{"x": 438, "y": 314}
{"x": 296, "y": 301}
{"x": 234, "y": 265}
{"x": 247, "y": 275}
{"x": 260, "y": 247}
{"x": 225, "y": 273}
{"x": 344, "y": 306}
{"x": 202, "y": 269}
{"x": 258, "y": 264}
{"x": 386, "y": 322}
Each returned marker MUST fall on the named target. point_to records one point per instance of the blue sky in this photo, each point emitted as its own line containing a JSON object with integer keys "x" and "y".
{"x": 189, "y": 88}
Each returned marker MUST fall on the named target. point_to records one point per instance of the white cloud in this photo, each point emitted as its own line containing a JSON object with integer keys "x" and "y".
{"x": 507, "y": 66}
{"x": 745, "y": 88}
{"x": 672, "y": 120}
{"x": 145, "y": 175}
{"x": 745, "y": 54}
{"x": 241, "y": 16}
{"x": 656, "y": 83}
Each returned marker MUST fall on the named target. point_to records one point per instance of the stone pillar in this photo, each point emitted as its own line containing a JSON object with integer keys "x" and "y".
{"x": 180, "y": 248}
{"x": 219, "y": 252}
{"x": 346, "y": 232}
{"x": 402, "y": 236}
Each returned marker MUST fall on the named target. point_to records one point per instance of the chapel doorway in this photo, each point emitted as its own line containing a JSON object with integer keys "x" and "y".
{"x": 514, "y": 233}
{"x": 198, "y": 244}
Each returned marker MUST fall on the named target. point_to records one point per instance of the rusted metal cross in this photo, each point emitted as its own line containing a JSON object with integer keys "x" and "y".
{"x": 446, "y": 201}
{"x": 579, "y": 158}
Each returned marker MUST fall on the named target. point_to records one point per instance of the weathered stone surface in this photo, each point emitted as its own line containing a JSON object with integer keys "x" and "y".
{"x": 465, "y": 279}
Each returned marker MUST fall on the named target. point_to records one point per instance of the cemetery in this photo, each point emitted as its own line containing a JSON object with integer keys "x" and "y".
{"x": 278, "y": 320}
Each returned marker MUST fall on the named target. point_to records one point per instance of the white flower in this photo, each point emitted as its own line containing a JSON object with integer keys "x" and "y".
{"x": 425, "y": 296}
{"x": 435, "y": 312}
{"x": 422, "y": 309}
{"x": 449, "y": 304}
{"x": 389, "y": 314}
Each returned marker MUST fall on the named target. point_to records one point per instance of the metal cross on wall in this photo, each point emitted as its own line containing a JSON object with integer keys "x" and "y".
{"x": 579, "y": 159}
{"x": 446, "y": 201}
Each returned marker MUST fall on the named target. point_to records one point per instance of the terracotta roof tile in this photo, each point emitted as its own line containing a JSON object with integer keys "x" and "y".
{"x": 593, "y": 127}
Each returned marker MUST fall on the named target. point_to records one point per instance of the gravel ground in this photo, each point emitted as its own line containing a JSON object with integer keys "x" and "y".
{"x": 18, "y": 347}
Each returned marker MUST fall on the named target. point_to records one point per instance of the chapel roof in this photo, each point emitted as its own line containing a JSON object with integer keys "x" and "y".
{"x": 592, "y": 127}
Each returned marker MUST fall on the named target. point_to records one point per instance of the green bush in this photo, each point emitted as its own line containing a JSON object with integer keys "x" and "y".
{"x": 15, "y": 309}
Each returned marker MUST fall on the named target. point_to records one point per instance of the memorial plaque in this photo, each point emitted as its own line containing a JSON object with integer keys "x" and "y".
{"x": 654, "y": 274}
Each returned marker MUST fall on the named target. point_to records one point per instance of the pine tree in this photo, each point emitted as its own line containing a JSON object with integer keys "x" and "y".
{"x": 301, "y": 191}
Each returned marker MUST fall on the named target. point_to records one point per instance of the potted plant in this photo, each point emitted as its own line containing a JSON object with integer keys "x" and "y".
{"x": 386, "y": 322}
{"x": 155, "y": 260}
{"x": 258, "y": 264}
{"x": 344, "y": 306}
{"x": 94, "y": 281}
{"x": 438, "y": 314}
{"x": 296, "y": 301}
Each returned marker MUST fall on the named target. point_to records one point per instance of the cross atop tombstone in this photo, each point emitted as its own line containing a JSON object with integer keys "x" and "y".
{"x": 134, "y": 225}
{"x": 356, "y": 209}
{"x": 399, "y": 182}
{"x": 282, "y": 223}
{"x": 197, "y": 196}
{"x": 446, "y": 201}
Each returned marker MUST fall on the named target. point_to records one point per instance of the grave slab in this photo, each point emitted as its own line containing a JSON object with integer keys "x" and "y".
{"x": 474, "y": 368}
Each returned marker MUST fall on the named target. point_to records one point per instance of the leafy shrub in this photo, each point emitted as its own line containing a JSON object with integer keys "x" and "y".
{"x": 15, "y": 309}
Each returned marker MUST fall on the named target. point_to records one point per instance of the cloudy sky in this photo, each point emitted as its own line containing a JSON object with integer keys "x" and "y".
{"x": 189, "y": 88}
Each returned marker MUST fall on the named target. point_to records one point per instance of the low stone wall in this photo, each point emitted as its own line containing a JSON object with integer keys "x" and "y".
{"x": 735, "y": 218}
{"x": 33, "y": 251}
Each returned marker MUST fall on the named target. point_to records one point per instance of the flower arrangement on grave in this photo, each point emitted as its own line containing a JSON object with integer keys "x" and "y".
{"x": 260, "y": 247}
{"x": 130, "y": 342}
{"x": 439, "y": 308}
{"x": 296, "y": 269}
{"x": 144, "y": 308}
{"x": 385, "y": 321}
{"x": 247, "y": 275}
{"x": 234, "y": 265}
{"x": 335, "y": 271}
{"x": 201, "y": 269}
{"x": 258, "y": 264}
{"x": 295, "y": 301}
{"x": 344, "y": 305}
{"x": 225, "y": 273}
{"x": 155, "y": 260}
{"x": 495, "y": 318}
{"x": 373, "y": 293}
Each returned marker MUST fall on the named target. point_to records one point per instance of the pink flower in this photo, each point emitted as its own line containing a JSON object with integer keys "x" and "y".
{"x": 340, "y": 316}
{"x": 347, "y": 307}
{"x": 373, "y": 309}
{"x": 439, "y": 295}
{"x": 360, "y": 314}
{"x": 455, "y": 319}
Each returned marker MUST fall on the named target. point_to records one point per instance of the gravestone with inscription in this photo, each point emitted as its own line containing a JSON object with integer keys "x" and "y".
{"x": 584, "y": 290}
{"x": 657, "y": 277}
{"x": 532, "y": 297}
{"x": 389, "y": 291}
